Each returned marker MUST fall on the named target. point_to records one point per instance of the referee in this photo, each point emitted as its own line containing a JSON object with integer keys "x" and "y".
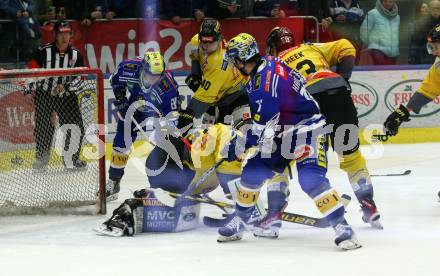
{"x": 56, "y": 95}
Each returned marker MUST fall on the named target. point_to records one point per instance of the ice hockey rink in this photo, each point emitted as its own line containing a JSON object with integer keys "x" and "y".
{"x": 409, "y": 244}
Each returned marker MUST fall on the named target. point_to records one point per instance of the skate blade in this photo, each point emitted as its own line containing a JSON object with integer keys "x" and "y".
{"x": 376, "y": 225}
{"x": 75, "y": 169}
{"x": 223, "y": 239}
{"x": 102, "y": 230}
{"x": 375, "y": 222}
{"x": 268, "y": 234}
{"x": 112, "y": 197}
{"x": 349, "y": 245}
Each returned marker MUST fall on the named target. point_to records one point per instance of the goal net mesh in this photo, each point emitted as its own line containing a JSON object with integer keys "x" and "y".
{"x": 51, "y": 140}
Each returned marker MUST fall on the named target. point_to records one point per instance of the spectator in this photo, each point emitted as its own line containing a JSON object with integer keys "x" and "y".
{"x": 7, "y": 36}
{"x": 276, "y": 8}
{"x": 149, "y": 9}
{"x": 23, "y": 13}
{"x": 419, "y": 30}
{"x": 347, "y": 17}
{"x": 175, "y": 10}
{"x": 63, "y": 9}
{"x": 380, "y": 32}
{"x": 122, "y": 9}
{"x": 319, "y": 9}
{"x": 221, "y": 9}
{"x": 45, "y": 11}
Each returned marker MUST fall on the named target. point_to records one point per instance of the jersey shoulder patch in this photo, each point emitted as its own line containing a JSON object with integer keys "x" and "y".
{"x": 131, "y": 67}
{"x": 164, "y": 85}
{"x": 257, "y": 81}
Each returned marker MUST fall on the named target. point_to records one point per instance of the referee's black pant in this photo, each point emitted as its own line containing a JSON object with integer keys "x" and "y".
{"x": 67, "y": 109}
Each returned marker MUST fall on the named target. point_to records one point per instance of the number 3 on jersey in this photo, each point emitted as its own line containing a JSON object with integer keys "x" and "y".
{"x": 309, "y": 63}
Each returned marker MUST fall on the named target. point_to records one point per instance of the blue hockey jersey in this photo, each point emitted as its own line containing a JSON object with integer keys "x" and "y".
{"x": 163, "y": 95}
{"x": 277, "y": 96}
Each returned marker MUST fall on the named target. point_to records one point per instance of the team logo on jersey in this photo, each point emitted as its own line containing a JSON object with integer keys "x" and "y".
{"x": 279, "y": 70}
{"x": 257, "y": 80}
{"x": 401, "y": 92}
{"x": 165, "y": 85}
{"x": 303, "y": 152}
{"x": 130, "y": 66}
{"x": 267, "y": 83}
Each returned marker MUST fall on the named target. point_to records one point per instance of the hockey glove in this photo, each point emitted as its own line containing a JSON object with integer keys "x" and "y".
{"x": 193, "y": 82}
{"x": 185, "y": 121}
{"x": 395, "y": 119}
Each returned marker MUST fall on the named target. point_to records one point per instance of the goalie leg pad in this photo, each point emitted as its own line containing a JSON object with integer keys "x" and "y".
{"x": 158, "y": 217}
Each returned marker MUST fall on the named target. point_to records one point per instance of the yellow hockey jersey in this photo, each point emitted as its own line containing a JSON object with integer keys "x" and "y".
{"x": 314, "y": 62}
{"x": 220, "y": 77}
{"x": 431, "y": 84}
{"x": 206, "y": 151}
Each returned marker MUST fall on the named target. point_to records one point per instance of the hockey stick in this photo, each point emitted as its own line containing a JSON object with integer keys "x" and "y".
{"x": 194, "y": 185}
{"x": 380, "y": 137}
{"x": 286, "y": 216}
{"x": 407, "y": 172}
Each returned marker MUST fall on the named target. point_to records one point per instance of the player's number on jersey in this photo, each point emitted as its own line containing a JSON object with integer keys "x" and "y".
{"x": 259, "y": 103}
{"x": 206, "y": 84}
{"x": 173, "y": 103}
{"x": 309, "y": 63}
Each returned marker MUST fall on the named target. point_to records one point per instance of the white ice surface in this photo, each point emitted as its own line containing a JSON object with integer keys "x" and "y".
{"x": 409, "y": 245}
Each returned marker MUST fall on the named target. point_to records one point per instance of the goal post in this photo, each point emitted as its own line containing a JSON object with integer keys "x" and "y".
{"x": 52, "y": 141}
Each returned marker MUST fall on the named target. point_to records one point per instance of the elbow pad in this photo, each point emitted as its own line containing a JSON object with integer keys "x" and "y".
{"x": 417, "y": 101}
{"x": 345, "y": 67}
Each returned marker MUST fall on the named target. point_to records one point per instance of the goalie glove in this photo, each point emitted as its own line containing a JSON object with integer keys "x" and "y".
{"x": 395, "y": 119}
{"x": 193, "y": 82}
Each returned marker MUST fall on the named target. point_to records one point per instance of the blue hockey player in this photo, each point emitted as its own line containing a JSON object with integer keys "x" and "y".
{"x": 153, "y": 93}
{"x": 287, "y": 125}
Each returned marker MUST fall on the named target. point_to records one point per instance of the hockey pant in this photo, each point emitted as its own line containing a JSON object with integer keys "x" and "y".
{"x": 339, "y": 110}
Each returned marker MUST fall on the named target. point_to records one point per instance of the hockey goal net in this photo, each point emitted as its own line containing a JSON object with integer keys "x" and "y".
{"x": 52, "y": 149}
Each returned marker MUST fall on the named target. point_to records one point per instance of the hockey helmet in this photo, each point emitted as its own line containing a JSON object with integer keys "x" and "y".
{"x": 62, "y": 26}
{"x": 210, "y": 30}
{"x": 279, "y": 39}
{"x": 154, "y": 66}
{"x": 242, "y": 47}
{"x": 433, "y": 37}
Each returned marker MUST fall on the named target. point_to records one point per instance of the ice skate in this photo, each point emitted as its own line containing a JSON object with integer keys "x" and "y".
{"x": 112, "y": 188}
{"x": 269, "y": 226}
{"x": 75, "y": 165}
{"x": 40, "y": 164}
{"x": 370, "y": 213}
{"x": 232, "y": 231}
{"x": 345, "y": 237}
{"x": 114, "y": 227}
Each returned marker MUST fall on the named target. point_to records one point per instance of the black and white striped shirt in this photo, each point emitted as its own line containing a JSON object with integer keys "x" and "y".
{"x": 50, "y": 57}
